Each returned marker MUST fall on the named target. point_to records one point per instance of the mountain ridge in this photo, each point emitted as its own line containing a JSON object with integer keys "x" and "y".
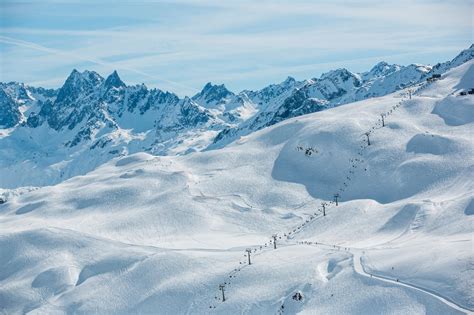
{"x": 91, "y": 119}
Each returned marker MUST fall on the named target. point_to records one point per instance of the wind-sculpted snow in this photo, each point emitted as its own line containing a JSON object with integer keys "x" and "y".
{"x": 433, "y": 144}
{"x": 455, "y": 113}
{"x": 402, "y": 220}
{"x": 148, "y": 234}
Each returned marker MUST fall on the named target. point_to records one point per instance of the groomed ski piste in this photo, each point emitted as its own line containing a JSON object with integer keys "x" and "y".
{"x": 166, "y": 235}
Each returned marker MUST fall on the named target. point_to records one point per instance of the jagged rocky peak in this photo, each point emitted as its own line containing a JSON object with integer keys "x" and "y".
{"x": 272, "y": 91}
{"x": 288, "y": 83}
{"x": 77, "y": 83}
{"x": 184, "y": 115}
{"x": 212, "y": 92}
{"x": 16, "y": 91}
{"x": 86, "y": 76}
{"x": 341, "y": 73}
{"x": 289, "y": 80}
{"x": 340, "y": 78}
{"x": 114, "y": 81}
{"x": 382, "y": 69}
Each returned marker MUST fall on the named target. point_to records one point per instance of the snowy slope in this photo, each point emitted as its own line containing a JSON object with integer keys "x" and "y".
{"x": 334, "y": 88}
{"x": 146, "y": 234}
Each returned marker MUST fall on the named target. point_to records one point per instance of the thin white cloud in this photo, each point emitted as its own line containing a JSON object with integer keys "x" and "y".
{"x": 231, "y": 40}
{"x": 111, "y": 66}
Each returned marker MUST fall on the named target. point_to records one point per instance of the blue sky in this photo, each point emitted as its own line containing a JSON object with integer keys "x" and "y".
{"x": 182, "y": 44}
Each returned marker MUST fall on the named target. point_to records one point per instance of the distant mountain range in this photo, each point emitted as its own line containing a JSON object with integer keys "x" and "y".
{"x": 48, "y": 135}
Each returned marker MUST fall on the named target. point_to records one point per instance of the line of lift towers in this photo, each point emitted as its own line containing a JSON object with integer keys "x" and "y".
{"x": 323, "y": 205}
{"x": 248, "y": 251}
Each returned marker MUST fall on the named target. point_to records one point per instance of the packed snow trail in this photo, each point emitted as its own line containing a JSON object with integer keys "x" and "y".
{"x": 359, "y": 268}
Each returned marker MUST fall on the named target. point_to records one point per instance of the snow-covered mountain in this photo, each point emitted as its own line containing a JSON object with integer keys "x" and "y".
{"x": 143, "y": 234}
{"x": 332, "y": 89}
{"x": 336, "y": 88}
{"x": 231, "y": 108}
{"x": 50, "y": 135}
{"x": 17, "y": 101}
{"x": 463, "y": 57}
{"x": 56, "y": 134}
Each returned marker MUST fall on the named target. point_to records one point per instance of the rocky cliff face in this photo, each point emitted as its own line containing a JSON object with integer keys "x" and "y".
{"x": 9, "y": 112}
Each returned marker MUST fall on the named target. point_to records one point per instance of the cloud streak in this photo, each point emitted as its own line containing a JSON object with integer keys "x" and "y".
{"x": 180, "y": 45}
{"x": 111, "y": 66}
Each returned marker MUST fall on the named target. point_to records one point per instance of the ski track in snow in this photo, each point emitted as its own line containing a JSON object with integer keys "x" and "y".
{"x": 360, "y": 269}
